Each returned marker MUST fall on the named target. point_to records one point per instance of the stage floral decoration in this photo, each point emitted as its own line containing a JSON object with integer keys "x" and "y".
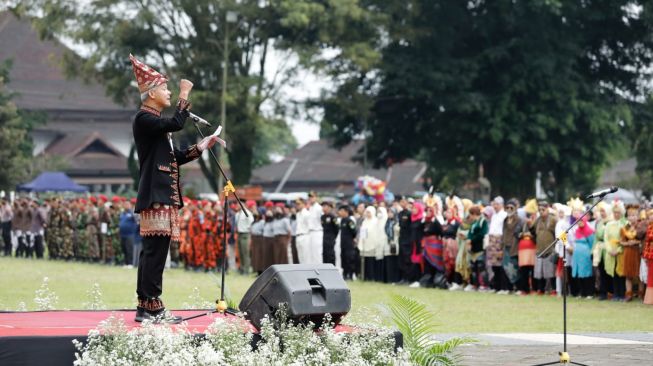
{"x": 44, "y": 298}
{"x": 229, "y": 342}
{"x": 280, "y": 342}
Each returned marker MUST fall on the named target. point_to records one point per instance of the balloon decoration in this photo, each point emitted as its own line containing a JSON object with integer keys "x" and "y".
{"x": 370, "y": 189}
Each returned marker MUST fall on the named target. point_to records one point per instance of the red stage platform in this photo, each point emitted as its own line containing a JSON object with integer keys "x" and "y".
{"x": 45, "y": 337}
{"x": 79, "y": 322}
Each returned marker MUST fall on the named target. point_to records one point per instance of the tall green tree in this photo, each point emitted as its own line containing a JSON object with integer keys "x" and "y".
{"x": 186, "y": 38}
{"x": 641, "y": 137}
{"x": 517, "y": 87}
{"x": 16, "y": 152}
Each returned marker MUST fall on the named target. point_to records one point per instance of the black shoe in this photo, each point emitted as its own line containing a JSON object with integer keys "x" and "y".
{"x": 158, "y": 317}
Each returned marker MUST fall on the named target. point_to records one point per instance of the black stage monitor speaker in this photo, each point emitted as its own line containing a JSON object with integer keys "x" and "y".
{"x": 309, "y": 291}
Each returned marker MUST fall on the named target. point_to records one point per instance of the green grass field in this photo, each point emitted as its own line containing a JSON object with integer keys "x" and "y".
{"x": 456, "y": 312}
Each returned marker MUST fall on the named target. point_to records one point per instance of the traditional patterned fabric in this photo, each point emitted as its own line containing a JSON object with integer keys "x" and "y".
{"x": 151, "y": 110}
{"x": 185, "y": 245}
{"x": 647, "y": 250}
{"x": 494, "y": 251}
{"x": 462, "y": 260}
{"x": 161, "y": 220}
{"x": 433, "y": 251}
{"x": 450, "y": 254}
{"x": 146, "y": 77}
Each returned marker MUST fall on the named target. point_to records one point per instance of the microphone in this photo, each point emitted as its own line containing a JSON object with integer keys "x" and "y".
{"x": 199, "y": 119}
{"x": 603, "y": 192}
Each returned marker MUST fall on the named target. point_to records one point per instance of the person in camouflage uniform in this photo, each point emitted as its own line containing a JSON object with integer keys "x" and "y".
{"x": 106, "y": 243}
{"x": 92, "y": 233}
{"x": 81, "y": 220}
{"x": 53, "y": 232}
{"x": 66, "y": 233}
{"x": 114, "y": 231}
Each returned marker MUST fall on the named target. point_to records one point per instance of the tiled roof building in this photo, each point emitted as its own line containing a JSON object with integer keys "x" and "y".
{"x": 317, "y": 166}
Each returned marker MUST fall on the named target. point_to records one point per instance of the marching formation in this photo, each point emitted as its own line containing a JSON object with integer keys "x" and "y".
{"x": 450, "y": 244}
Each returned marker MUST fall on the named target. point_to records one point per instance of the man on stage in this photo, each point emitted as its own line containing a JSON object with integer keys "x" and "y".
{"x": 159, "y": 194}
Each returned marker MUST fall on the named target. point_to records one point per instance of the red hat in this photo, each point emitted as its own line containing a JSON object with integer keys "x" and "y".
{"x": 146, "y": 77}
{"x": 133, "y": 200}
{"x": 186, "y": 200}
{"x": 82, "y": 201}
{"x": 280, "y": 204}
{"x": 102, "y": 198}
{"x": 93, "y": 199}
{"x": 269, "y": 204}
{"x": 116, "y": 199}
{"x": 250, "y": 203}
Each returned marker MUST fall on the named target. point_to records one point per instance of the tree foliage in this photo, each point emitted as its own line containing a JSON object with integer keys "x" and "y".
{"x": 519, "y": 87}
{"x": 16, "y": 153}
{"x": 641, "y": 135}
{"x": 185, "y": 38}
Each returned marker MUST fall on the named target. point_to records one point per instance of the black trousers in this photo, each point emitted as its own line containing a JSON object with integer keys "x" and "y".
{"x": 573, "y": 284}
{"x": 373, "y": 269}
{"x": 127, "y": 244}
{"x": 6, "y": 237}
{"x": 328, "y": 249}
{"x": 619, "y": 286}
{"x": 605, "y": 281}
{"x": 500, "y": 280}
{"x": 391, "y": 269}
{"x": 21, "y": 250}
{"x": 585, "y": 286}
{"x": 525, "y": 275}
{"x": 409, "y": 271}
{"x": 479, "y": 274}
{"x": 38, "y": 245}
{"x": 151, "y": 263}
{"x": 348, "y": 260}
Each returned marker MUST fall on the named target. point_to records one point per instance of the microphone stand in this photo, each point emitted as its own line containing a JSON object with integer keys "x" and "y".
{"x": 221, "y": 304}
{"x": 564, "y": 355}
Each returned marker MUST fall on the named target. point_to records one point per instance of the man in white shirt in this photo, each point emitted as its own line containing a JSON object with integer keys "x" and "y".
{"x": 6, "y": 215}
{"x": 315, "y": 229}
{"x": 494, "y": 251}
{"x": 244, "y": 220}
{"x": 302, "y": 237}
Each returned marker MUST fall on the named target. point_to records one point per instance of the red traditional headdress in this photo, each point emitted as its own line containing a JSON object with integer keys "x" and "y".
{"x": 146, "y": 77}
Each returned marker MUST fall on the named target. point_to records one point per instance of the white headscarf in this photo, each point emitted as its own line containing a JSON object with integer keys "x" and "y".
{"x": 372, "y": 232}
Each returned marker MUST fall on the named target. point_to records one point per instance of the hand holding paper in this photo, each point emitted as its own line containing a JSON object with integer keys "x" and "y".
{"x": 210, "y": 140}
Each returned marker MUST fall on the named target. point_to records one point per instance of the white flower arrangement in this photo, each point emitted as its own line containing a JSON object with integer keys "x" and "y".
{"x": 94, "y": 298}
{"x": 229, "y": 342}
{"x": 196, "y": 301}
{"x": 44, "y": 298}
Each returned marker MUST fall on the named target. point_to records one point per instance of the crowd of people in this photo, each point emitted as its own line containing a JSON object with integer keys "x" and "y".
{"x": 453, "y": 244}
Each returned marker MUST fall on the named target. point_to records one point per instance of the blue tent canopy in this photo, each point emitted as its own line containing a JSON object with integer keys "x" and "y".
{"x": 52, "y": 182}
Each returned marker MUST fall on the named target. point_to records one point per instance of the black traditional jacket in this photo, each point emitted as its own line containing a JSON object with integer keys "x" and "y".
{"x": 159, "y": 161}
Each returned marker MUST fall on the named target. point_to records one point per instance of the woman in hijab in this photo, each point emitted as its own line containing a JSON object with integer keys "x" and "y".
{"x": 371, "y": 243}
{"x": 433, "y": 252}
{"x": 417, "y": 232}
{"x": 581, "y": 240}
